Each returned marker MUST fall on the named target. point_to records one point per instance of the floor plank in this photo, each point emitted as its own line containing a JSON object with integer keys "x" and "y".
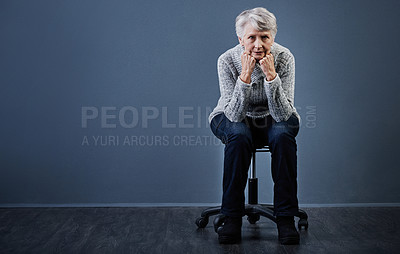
{"x": 172, "y": 230}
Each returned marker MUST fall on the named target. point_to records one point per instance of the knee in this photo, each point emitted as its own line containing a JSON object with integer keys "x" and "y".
{"x": 281, "y": 135}
{"x": 284, "y": 132}
{"x": 240, "y": 135}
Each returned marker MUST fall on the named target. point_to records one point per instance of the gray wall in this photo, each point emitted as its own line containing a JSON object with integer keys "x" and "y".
{"x": 148, "y": 69}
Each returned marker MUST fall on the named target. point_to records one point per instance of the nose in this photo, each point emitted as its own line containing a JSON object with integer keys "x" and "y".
{"x": 257, "y": 43}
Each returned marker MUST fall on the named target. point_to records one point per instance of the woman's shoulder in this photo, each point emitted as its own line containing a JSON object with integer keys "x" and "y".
{"x": 232, "y": 56}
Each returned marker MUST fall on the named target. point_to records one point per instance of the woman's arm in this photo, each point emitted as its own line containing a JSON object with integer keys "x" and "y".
{"x": 234, "y": 92}
{"x": 280, "y": 91}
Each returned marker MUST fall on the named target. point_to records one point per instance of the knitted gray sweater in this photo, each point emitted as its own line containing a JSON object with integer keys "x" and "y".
{"x": 260, "y": 98}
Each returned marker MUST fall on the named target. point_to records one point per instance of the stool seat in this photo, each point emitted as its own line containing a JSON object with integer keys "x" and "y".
{"x": 253, "y": 210}
{"x": 262, "y": 148}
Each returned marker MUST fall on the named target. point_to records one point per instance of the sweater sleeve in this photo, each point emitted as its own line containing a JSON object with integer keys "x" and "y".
{"x": 234, "y": 92}
{"x": 280, "y": 92}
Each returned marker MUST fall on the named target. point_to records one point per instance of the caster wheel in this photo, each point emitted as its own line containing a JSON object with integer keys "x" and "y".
{"x": 253, "y": 218}
{"x": 218, "y": 221}
{"x": 302, "y": 223}
{"x": 202, "y": 222}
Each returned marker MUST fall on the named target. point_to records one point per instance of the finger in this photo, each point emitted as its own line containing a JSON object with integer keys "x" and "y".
{"x": 251, "y": 60}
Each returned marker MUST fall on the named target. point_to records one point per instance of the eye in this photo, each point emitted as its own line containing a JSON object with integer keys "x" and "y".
{"x": 251, "y": 37}
{"x": 265, "y": 37}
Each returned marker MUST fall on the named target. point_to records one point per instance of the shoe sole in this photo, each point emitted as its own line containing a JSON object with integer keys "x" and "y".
{"x": 289, "y": 241}
{"x": 229, "y": 239}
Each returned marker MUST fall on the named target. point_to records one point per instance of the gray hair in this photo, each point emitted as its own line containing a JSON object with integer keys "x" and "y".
{"x": 260, "y": 18}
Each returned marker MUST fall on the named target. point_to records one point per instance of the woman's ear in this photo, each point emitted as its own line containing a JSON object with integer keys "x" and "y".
{"x": 240, "y": 41}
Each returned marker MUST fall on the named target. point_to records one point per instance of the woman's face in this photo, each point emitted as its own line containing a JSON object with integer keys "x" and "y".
{"x": 257, "y": 43}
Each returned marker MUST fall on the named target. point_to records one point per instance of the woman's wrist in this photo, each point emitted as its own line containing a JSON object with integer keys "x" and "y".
{"x": 245, "y": 77}
{"x": 271, "y": 76}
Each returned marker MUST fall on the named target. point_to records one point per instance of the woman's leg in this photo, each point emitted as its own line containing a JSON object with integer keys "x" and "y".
{"x": 237, "y": 156}
{"x": 282, "y": 143}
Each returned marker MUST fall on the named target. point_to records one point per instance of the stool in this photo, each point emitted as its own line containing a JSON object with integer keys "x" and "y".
{"x": 253, "y": 210}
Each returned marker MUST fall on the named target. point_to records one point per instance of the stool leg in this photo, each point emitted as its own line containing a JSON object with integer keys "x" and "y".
{"x": 253, "y": 191}
{"x": 253, "y": 183}
{"x": 253, "y": 165}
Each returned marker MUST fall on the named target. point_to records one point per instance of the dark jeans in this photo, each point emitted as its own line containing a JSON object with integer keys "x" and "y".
{"x": 240, "y": 138}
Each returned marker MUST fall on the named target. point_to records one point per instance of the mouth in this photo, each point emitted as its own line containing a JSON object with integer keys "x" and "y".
{"x": 258, "y": 52}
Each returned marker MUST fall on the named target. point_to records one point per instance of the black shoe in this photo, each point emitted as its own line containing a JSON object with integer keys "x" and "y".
{"x": 287, "y": 233}
{"x": 231, "y": 230}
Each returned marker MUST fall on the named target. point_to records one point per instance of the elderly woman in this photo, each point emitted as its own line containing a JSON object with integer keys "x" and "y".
{"x": 256, "y": 107}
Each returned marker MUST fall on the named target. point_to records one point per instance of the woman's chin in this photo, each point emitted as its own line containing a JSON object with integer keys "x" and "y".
{"x": 258, "y": 58}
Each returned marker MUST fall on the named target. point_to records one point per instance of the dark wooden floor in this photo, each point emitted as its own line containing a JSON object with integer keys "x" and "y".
{"x": 172, "y": 230}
